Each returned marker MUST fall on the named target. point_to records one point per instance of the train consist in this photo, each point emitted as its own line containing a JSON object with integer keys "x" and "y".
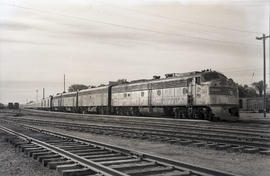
{"x": 201, "y": 95}
{"x": 13, "y": 105}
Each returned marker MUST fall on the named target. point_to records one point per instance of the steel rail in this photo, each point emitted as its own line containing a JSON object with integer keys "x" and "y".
{"x": 193, "y": 136}
{"x": 250, "y": 136}
{"x": 88, "y": 163}
{"x": 181, "y": 129}
{"x": 98, "y": 167}
{"x": 161, "y": 121}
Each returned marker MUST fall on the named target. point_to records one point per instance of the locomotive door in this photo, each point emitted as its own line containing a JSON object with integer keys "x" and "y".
{"x": 190, "y": 92}
{"x": 150, "y": 98}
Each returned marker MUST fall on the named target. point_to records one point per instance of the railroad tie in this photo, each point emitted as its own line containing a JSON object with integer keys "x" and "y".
{"x": 102, "y": 155}
{"x": 222, "y": 146}
{"x": 46, "y": 161}
{"x": 31, "y": 152}
{"x": 198, "y": 144}
{"x": 172, "y": 141}
{"x": 136, "y": 166}
{"x": 184, "y": 142}
{"x": 42, "y": 157}
{"x": 26, "y": 150}
{"x": 251, "y": 150}
{"x": 150, "y": 171}
{"x": 61, "y": 168}
{"x": 237, "y": 148}
{"x": 74, "y": 146}
{"x": 24, "y": 146}
{"x": 86, "y": 153}
{"x": 39, "y": 154}
{"x": 88, "y": 149}
{"x": 126, "y": 161}
{"x": 111, "y": 158}
{"x": 19, "y": 143}
{"x": 77, "y": 172}
{"x": 211, "y": 145}
{"x": 54, "y": 164}
{"x": 265, "y": 152}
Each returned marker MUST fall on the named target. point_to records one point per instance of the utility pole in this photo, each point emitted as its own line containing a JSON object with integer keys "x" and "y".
{"x": 263, "y": 38}
{"x": 43, "y": 93}
{"x": 64, "y": 83}
{"x": 37, "y": 95}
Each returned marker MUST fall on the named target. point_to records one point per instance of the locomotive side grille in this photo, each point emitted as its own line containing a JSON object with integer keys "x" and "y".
{"x": 94, "y": 92}
{"x": 157, "y": 85}
{"x": 222, "y": 91}
{"x": 169, "y": 84}
{"x": 128, "y": 88}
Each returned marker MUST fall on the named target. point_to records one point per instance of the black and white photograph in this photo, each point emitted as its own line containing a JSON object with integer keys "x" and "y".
{"x": 134, "y": 88}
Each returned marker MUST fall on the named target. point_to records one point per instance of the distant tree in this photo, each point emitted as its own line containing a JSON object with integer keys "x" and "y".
{"x": 76, "y": 87}
{"x": 122, "y": 81}
{"x": 101, "y": 85}
{"x": 259, "y": 87}
{"x": 246, "y": 91}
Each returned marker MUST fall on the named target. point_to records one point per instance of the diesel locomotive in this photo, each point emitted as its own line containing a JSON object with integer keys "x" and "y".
{"x": 203, "y": 94}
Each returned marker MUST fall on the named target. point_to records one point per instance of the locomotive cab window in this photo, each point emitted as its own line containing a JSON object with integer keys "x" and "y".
{"x": 142, "y": 94}
{"x": 198, "y": 80}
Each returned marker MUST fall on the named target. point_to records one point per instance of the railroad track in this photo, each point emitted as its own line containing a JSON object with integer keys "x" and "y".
{"x": 157, "y": 122}
{"x": 75, "y": 156}
{"x": 230, "y": 131}
{"x": 238, "y": 142}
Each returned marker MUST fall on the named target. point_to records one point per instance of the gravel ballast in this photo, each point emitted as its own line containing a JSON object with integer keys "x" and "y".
{"x": 232, "y": 162}
{"x": 236, "y": 163}
{"x": 15, "y": 163}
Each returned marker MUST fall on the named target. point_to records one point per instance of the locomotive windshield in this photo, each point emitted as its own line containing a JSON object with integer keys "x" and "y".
{"x": 209, "y": 76}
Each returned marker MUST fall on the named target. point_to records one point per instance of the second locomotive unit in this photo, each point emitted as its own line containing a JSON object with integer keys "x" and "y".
{"x": 202, "y": 95}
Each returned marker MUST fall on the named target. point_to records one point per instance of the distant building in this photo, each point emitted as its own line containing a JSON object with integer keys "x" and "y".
{"x": 253, "y": 104}
{"x": 268, "y": 91}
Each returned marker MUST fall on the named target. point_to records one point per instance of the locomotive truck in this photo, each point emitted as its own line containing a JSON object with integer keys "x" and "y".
{"x": 203, "y": 94}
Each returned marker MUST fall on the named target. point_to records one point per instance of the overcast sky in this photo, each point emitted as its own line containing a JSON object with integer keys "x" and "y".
{"x": 96, "y": 41}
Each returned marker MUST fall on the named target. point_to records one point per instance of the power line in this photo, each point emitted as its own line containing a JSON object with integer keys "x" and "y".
{"x": 242, "y": 71}
{"x": 240, "y": 68}
{"x": 126, "y": 26}
{"x": 188, "y": 22}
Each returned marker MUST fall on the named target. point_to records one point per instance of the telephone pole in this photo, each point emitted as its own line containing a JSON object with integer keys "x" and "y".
{"x": 263, "y": 38}
{"x": 43, "y": 93}
{"x": 64, "y": 83}
{"x": 37, "y": 95}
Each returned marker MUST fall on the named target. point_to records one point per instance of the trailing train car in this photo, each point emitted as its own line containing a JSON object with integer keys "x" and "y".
{"x": 94, "y": 100}
{"x": 68, "y": 101}
{"x": 10, "y": 105}
{"x": 16, "y": 105}
{"x": 2, "y": 106}
{"x": 33, "y": 105}
{"x": 46, "y": 103}
{"x": 57, "y": 102}
{"x": 203, "y": 95}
